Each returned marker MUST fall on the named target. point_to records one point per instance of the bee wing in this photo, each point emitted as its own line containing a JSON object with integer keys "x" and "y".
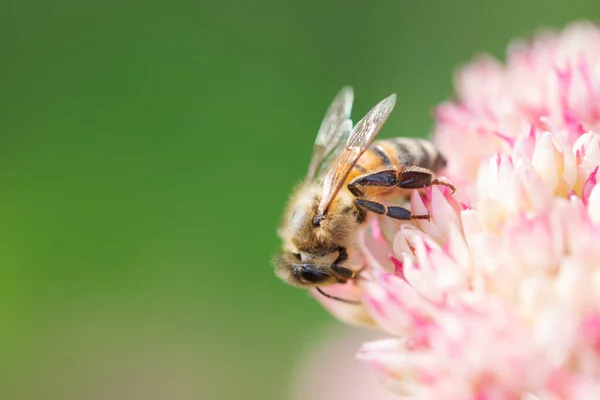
{"x": 359, "y": 140}
{"x": 329, "y": 137}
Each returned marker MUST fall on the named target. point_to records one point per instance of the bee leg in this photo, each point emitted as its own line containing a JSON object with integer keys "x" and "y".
{"x": 419, "y": 177}
{"x": 343, "y": 274}
{"x": 385, "y": 178}
{"x": 392, "y": 212}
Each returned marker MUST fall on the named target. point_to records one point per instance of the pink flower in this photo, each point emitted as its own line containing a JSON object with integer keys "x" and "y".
{"x": 498, "y": 296}
{"x": 550, "y": 83}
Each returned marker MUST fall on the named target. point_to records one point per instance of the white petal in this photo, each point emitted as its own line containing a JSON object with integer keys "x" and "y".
{"x": 544, "y": 160}
{"x": 594, "y": 205}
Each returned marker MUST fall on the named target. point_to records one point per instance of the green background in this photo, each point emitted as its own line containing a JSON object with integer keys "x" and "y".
{"x": 147, "y": 151}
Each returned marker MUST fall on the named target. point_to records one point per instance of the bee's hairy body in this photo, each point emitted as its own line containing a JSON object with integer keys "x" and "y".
{"x": 318, "y": 254}
{"x": 348, "y": 175}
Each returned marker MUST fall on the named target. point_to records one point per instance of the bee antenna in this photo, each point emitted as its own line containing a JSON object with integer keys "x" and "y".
{"x": 337, "y": 298}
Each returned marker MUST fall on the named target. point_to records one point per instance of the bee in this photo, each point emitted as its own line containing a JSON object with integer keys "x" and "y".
{"x": 348, "y": 177}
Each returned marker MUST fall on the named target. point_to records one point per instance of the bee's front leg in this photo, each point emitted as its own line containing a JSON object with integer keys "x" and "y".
{"x": 386, "y": 178}
{"x": 392, "y": 212}
{"x": 413, "y": 177}
{"x": 419, "y": 177}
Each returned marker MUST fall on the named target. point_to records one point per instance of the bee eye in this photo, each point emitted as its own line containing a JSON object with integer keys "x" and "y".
{"x": 310, "y": 274}
{"x": 297, "y": 255}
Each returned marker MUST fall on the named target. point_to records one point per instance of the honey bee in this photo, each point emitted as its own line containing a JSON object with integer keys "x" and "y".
{"x": 348, "y": 177}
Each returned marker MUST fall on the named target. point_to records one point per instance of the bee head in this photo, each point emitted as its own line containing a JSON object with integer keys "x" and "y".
{"x": 310, "y": 269}
{"x": 314, "y": 245}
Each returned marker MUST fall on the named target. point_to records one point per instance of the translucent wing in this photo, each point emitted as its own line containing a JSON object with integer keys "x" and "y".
{"x": 330, "y": 136}
{"x": 359, "y": 140}
{"x": 341, "y": 136}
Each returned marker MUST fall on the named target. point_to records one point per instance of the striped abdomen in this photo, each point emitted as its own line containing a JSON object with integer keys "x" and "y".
{"x": 398, "y": 153}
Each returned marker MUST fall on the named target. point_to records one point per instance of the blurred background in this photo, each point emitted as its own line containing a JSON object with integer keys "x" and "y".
{"x": 147, "y": 150}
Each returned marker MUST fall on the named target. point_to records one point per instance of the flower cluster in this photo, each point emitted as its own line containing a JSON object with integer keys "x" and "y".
{"x": 498, "y": 296}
